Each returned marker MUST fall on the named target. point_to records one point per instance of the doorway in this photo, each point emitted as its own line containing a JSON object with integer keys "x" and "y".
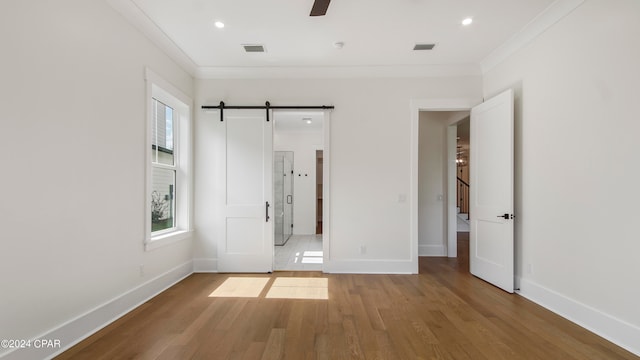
{"x": 417, "y": 106}
{"x": 244, "y": 176}
{"x": 439, "y": 158}
{"x": 491, "y": 241}
{"x": 299, "y": 138}
{"x": 463, "y": 152}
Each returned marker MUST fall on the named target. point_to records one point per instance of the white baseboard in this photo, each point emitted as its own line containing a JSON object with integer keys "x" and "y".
{"x": 78, "y": 329}
{"x": 210, "y": 265}
{"x": 432, "y": 250}
{"x": 205, "y": 265}
{"x": 613, "y": 329}
{"x": 370, "y": 267}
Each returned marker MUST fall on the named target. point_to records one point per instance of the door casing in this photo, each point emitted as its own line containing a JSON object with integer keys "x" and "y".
{"x": 416, "y": 106}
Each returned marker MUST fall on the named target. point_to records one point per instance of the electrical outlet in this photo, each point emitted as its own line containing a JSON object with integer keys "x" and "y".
{"x": 530, "y": 269}
{"x": 363, "y": 249}
{"x": 141, "y": 270}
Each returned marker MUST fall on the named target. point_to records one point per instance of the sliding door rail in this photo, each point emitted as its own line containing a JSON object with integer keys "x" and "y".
{"x": 266, "y": 106}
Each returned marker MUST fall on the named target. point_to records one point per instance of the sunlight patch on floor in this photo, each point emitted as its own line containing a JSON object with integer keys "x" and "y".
{"x": 308, "y": 257}
{"x": 241, "y": 287}
{"x": 299, "y": 288}
{"x": 312, "y": 253}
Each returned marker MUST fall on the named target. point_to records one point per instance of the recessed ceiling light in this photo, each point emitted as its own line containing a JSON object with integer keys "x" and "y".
{"x": 307, "y": 120}
{"x": 219, "y": 24}
{"x": 467, "y": 21}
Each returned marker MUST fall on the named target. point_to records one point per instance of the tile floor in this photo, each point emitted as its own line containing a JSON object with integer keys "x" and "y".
{"x": 301, "y": 252}
{"x": 463, "y": 225}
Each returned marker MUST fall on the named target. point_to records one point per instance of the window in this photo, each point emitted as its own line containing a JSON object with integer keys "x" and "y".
{"x": 163, "y": 168}
{"x": 168, "y": 165}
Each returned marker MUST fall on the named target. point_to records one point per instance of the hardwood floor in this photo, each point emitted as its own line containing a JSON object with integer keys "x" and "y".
{"x": 443, "y": 313}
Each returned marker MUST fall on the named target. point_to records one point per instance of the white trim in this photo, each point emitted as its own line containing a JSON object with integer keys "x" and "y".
{"x": 432, "y": 250}
{"x": 616, "y": 330}
{"x": 444, "y": 104}
{"x": 322, "y": 72}
{"x": 205, "y": 265}
{"x": 166, "y": 87}
{"x": 167, "y": 239}
{"x": 326, "y": 189}
{"x": 451, "y": 176}
{"x": 359, "y": 266}
{"x": 551, "y": 15}
{"x": 140, "y": 20}
{"x": 85, "y": 325}
{"x": 417, "y": 105}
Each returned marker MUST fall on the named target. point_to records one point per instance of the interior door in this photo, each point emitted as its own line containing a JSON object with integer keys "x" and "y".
{"x": 246, "y": 242}
{"x": 491, "y": 192}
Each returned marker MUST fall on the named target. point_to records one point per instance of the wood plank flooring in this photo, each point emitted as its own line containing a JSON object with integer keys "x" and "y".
{"x": 443, "y": 313}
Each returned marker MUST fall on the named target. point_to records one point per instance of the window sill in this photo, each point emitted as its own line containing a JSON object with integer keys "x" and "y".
{"x": 166, "y": 239}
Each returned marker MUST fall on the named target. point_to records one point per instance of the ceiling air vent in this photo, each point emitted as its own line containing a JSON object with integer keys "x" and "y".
{"x": 253, "y": 48}
{"x": 423, "y": 46}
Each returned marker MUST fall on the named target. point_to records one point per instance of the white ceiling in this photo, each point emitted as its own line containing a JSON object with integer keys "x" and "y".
{"x": 376, "y": 33}
{"x": 296, "y": 121}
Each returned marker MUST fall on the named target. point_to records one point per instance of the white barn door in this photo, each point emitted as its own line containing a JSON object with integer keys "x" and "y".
{"x": 245, "y": 242}
{"x": 491, "y": 192}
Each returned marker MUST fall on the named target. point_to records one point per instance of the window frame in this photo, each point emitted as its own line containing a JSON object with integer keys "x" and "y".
{"x": 162, "y": 91}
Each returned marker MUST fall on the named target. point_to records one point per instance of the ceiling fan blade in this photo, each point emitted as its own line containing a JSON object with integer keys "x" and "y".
{"x": 320, "y": 7}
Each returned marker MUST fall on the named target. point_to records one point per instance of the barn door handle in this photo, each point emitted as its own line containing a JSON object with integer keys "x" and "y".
{"x": 266, "y": 211}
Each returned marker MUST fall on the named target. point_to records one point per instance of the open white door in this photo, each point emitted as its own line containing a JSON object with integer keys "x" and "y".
{"x": 245, "y": 242}
{"x": 491, "y": 192}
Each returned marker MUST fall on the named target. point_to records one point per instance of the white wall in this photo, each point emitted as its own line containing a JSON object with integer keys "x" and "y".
{"x": 304, "y": 145}
{"x": 73, "y": 229}
{"x": 577, "y": 131}
{"x": 432, "y": 183}
{"x": 370, "y": 159}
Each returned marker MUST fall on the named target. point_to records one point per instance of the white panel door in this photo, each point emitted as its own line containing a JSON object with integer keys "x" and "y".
{"x": 246, "y": 240}
{"x": 491, "y": 191}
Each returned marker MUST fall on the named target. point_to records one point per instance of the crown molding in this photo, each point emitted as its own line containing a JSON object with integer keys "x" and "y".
{"x": 140, "y": 20}
{"x": 551, "y": 15}
{"x": 395, "y": 71}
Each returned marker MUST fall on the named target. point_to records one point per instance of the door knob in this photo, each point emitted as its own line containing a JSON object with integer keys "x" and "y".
{"x": 506, "y": 216}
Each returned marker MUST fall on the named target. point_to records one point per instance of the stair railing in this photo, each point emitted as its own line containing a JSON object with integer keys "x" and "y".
{"x": 462, "y": 196}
